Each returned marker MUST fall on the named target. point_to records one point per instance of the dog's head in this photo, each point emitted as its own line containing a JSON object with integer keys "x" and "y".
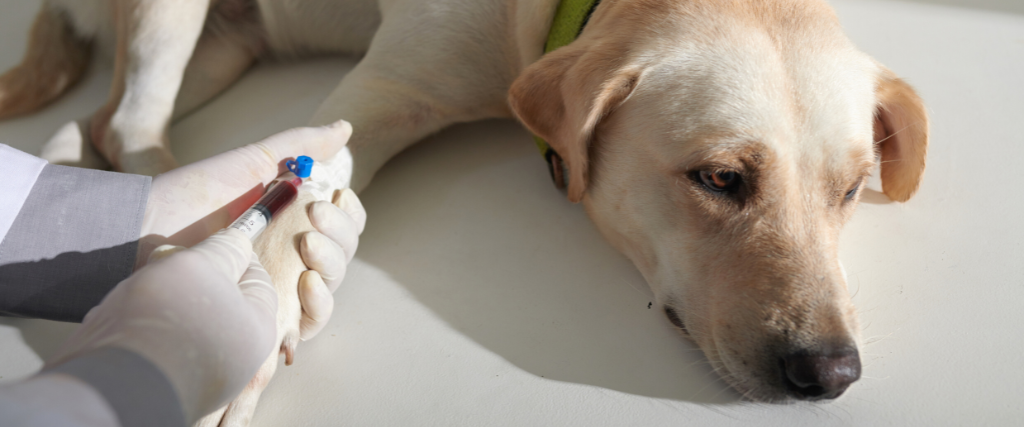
{"x": 722, "y": 146}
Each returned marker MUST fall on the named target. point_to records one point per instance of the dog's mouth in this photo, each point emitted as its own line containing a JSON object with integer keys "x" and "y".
{"x": 775, "y": 374}
{"x": 673, "y": 317}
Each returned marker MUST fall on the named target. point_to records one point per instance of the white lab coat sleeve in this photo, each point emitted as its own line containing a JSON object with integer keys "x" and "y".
{"x": 20, "y": 173}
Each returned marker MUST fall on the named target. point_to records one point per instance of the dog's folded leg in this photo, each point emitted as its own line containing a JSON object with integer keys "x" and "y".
{"x": 54, "y": 61}
{"x": 228, "y": 46}
{"x": 155, "y": 40}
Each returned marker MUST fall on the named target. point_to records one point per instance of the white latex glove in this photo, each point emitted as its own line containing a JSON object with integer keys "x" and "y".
{"x": 188, "y": 204}
{"x": 327, "y": 255}
{"x": 205, "y": 316}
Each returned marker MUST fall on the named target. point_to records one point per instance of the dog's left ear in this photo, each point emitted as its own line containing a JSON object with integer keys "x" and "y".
{"x": 901, "y": 133}
{"x": 564, "y": 96}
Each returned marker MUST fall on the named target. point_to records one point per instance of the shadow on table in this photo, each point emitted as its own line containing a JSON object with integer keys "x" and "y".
{"x": 471, "y": 225}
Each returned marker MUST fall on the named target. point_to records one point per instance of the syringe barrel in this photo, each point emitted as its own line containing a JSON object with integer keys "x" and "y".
{"x": 256, "y": 219}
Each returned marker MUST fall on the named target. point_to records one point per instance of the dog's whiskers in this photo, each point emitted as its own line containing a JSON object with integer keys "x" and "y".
{"x": 645, "y": 294}
{"x": 878, "y": 338}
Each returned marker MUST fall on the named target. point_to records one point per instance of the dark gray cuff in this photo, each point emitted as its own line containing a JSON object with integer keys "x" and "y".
{"x": 72, "y": 242}
{"x": 137, "y": 390}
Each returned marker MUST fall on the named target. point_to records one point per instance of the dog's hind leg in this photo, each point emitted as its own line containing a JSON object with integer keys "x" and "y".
{"x": 229, "y": 45}
{"x": 155, "y": 40}
{"x": 216, "y": 64}
{"x": 54, "y": 61}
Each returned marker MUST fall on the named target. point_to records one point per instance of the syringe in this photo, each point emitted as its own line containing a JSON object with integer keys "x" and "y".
{"x": 282, "y": 193}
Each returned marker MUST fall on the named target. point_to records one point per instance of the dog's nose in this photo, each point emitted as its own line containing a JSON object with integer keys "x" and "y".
{"x": 822, "y": 375}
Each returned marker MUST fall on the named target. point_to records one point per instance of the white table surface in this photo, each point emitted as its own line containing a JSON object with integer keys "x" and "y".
{"x": 481, "y": 297}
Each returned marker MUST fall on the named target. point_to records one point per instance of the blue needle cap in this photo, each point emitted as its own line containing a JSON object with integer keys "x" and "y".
{"x": 301, "y": 166}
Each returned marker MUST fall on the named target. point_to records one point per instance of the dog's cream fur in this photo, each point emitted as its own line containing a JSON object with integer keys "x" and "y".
{"x": 653, "y": 93}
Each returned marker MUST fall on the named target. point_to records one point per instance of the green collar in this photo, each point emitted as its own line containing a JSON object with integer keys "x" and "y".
{"x": 570, "y": 18}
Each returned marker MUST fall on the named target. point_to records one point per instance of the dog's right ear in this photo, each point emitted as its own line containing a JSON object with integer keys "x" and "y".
{"x": 564, "y": 96}
{"x": 901, "y": 132}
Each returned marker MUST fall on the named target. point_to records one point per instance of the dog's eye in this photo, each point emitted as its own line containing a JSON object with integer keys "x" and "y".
{"x": 720, "y": 181}
{"x": 853, "y": 192}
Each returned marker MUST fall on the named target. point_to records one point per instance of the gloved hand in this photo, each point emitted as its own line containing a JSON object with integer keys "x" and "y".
{"x": 188, "y": 204}
{"x": 206, "y": 317}
{"x": 327, "y": 255}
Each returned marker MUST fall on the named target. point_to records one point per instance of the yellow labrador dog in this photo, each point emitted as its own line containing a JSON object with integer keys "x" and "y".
{"x": 719, "y": 144}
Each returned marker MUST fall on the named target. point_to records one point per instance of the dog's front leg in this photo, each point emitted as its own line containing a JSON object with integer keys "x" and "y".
{"x": 55, "y": 59}
{"x": 402, "y": 92}
{"x": 386, "y": 114}
{"x": 155, "y": 39}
